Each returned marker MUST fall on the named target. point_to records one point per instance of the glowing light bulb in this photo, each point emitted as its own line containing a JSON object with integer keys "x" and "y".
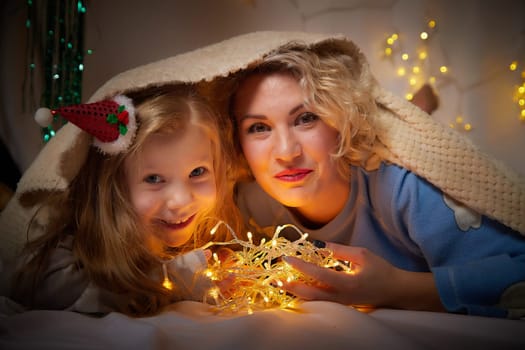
{"x": 432, "y": 23}
{"x": 388, "y": 51}
{"x": 459, "y": 119}
{"x": 423, "y": 35}
{"x": 422, "y": 55}
{"x": 395, "y": 36}
{"x": 401, "y": 71}
{"x": 390, "y": 41}
{"x": 443, "y": 69}
{"x": 404, "y": 56}
{"x": 416, "y": 70}
{"x": 467, "y": 127}
{"x": 513, "y": 66}
{"x": 167, "y": 283}
{"x": 409, "y": 96}
{"x": 412, "y": 81}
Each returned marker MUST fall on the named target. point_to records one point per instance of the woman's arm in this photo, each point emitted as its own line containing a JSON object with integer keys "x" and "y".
{"x": 373, "y": 282}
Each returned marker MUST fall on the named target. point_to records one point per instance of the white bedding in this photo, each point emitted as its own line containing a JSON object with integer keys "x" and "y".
{"x": 317, "y": 325}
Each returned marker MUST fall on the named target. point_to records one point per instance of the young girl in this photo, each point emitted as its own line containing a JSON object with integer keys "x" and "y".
{"x": 116, "y": 238}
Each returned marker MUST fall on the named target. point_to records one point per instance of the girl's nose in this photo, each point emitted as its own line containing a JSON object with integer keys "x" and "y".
{"x": 287, "y": 146}
{"x": 179, "y": 196}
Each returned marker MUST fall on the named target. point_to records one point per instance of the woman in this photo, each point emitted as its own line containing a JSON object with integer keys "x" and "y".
{"x": 304, "y": 120}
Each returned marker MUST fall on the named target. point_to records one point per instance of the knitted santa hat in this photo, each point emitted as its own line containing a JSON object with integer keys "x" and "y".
{"x": 111, "y": 122}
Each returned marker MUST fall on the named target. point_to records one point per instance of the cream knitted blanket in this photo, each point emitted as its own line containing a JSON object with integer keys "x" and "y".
{"x": 408, "y": 136}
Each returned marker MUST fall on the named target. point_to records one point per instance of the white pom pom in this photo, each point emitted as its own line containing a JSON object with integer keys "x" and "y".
{"x": 43, "y": 117}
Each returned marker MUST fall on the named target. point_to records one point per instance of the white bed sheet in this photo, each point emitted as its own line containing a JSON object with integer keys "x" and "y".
{"x": 317, "y": 325}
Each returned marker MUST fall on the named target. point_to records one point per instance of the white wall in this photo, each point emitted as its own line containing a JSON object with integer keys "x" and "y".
{"x": 476, "y": 39}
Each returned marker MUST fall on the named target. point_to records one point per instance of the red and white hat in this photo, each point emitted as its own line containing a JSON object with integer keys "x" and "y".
{"x": 111, "y": 122}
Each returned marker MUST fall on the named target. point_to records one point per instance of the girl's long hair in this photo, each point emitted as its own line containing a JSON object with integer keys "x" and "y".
{"x": 109, "y": 242}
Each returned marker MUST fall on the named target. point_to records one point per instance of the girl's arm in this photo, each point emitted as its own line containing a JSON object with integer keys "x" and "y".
{"x": 62, "y": 285}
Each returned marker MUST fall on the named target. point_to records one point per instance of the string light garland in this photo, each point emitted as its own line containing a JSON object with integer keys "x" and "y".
{"x": 55, "y": 50}
{"x": 519, "y": 90}
{"x": 259, "y": 272}
{"x": 419, "y": 70}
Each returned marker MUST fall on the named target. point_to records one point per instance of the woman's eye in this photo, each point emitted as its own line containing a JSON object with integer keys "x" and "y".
{"x": 258, "y": 127}
{"x": 198, "y": 171}
{"x": 306, "y": 118}
{"x": 153, "y": 179}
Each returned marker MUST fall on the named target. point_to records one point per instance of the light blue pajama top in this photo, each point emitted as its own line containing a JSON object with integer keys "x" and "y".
{"x": 409, "y": 222}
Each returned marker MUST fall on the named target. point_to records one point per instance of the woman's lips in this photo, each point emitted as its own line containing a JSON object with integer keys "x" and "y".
{"x": 292, "y": 175}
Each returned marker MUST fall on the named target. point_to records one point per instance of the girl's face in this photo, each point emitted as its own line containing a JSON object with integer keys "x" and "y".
{"x": 172, "y": 184}
{"x": 288, "y": 147}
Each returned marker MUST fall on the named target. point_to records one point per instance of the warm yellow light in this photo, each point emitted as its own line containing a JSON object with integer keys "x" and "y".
{"x": 521, "y": 102}
{"x": 422, "y": 55}
{"x": 416, "y": 70}
{"x": 523, "y": 74}
{"x": 401, "y": 71}
{"x": 412, "y": 81}
{"x": 404, "y": 56}
{"x": 451, "y": 125}
{"x": 468, "y": 127}
{"x": 459, "y": 119}
{"x": 167, "y": 284}
{"x": 522, "y": 115}
{"x": 395, "y": 36}
{"x": 443, "y": 69}
{"x": 390, "y": 41}
{"x": 431, "y": 23}
{"x": 409, "y": 96}
{"x": 388, "y": 51}
{"x": 423, "y": 35}
{"x": 513, "y": 66}
{"x": 432, "y": 80}
{"x": 521, "y": 89}
{"x": 260, "y": 272}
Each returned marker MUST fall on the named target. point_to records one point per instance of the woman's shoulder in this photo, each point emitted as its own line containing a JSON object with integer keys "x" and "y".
{"x": 386, "y": 175}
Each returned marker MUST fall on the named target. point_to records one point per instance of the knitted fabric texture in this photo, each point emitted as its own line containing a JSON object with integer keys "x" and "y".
{"x": 408, "y": 136}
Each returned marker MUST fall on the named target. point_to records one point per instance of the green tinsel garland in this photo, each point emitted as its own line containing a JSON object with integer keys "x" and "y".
{"x": 55, "y": 50}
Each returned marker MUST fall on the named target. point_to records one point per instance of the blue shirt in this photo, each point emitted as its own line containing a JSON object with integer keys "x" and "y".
{"x": 406, "y": 220}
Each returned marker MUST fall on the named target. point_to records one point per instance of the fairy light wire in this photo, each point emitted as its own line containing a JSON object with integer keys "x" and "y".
{"x": 259, "y": 273}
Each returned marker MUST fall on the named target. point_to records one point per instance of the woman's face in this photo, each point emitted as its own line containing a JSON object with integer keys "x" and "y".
{"x": 287, "y": 146}
{"x": 172, "y": 184}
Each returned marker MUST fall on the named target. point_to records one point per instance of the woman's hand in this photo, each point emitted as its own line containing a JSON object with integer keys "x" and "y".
{"x": 373, "y": 282}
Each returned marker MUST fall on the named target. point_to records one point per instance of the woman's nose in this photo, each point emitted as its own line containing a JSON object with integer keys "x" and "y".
{"x": 179, "y": 196}
{"x": 287, "y": 146}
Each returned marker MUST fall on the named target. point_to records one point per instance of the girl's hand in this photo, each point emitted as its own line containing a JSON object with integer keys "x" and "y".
{"x": 373, "y": 282}
{"x": 225, "y": 285}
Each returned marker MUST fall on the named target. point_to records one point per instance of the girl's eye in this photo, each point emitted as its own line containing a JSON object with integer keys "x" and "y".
{"x": 153, "y": 179}
{"x": 258, "y": 127}
{"x": 198, "y": 171}
{"x": 306, "y": 118}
